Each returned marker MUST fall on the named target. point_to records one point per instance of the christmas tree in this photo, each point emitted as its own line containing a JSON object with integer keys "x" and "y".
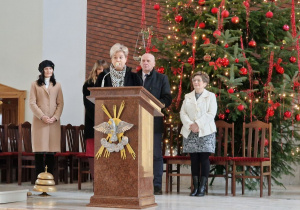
{"x": 250, "y": 49}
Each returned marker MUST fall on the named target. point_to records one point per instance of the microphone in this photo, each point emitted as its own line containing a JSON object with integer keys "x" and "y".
{"x": 102, "y": 83}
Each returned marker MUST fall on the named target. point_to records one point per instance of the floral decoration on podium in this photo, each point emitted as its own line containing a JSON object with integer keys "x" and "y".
{"x": 115, "y": 140}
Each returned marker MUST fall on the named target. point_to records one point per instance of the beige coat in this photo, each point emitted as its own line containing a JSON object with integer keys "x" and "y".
{"x": 49, "y": 102}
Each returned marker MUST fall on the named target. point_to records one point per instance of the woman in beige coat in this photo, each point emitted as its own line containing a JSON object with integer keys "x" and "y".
{"x": 46, "y": 103}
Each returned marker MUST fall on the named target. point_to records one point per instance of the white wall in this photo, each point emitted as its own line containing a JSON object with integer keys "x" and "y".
{"x": 34, "y": 30}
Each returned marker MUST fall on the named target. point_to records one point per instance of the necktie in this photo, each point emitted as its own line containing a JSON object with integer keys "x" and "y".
{"x": 146, "y": 75}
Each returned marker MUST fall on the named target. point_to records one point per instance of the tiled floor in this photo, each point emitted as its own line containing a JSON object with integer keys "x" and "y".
{"x": 68, "y": 197}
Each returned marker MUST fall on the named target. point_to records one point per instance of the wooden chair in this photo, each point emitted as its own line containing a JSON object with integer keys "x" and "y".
{"x": 256, "y": 155}
{"x": 83, "y": 163}
{"x": 172, "y": 135}
{"x": 62, "y": 157}
{"x": 5, "y": 155}
{"x": 26, "y": 158}
{"x": 224, "y": 151}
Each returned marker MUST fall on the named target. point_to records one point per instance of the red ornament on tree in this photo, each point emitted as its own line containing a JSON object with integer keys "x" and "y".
{"x": 226, "y": 45}
{"x": 235, "y": 20}
{"x": 237, "y": 60}
{"x": 217, "y": 33}
{"x": 214, "y": 10}
{"x": 224, "y": 62}
{"x": 286, "y": 27}
{"x": 270, "y": 112}
{"x": 240, "y": 107}
{"x": 266, "y": 142}
{"x": 184, "y": 42}
{"x": 280, "y": 70}
{"x": 227, "y": 111}
{"x": 161, "y": 70}
{"x": 252, "y": 43}
{"x": 156, "y": 6}
{"x": 225, "y": 14}
{"x": 287, "y": 114}
{"x": 221, "y": 116}
{"x": 138, "y": 68}
{"x": 269, "y": 14}
{"x": 246, "y": 4}
{"x": 281, "y": 47}
{"x": 255, "y": 82}
{"x": 191, "y": 60}
{"x": 202, "y": 25}
{"x": 178, "y": 18}
{"x": 201, "y": 2}
{"x": 293, "y": 59}
{"x": 297, "y": 117}
{"x": 230, "y": 90}
{"x": 243, "y": 71}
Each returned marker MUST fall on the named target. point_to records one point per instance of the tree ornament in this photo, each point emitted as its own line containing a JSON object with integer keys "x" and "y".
{"x": 161, "y": 70}
{"x": 269, "y": 14}
{"x": 214, "y": 10}
{"x": 246, "y": 4}
{"x": 280, "y": 70}
{"x": 227, "y": 111}
{"x": 156, "y": 6}
{"x": 221, "y": 116}
{"x": 270, "y": 112}
{"x": 184, "y": 42}
{"x": 252, "y": 43}
{"x": 179, "y": 3}
{"x": 286, "y": 27}
{"x": 281, "y": 47}
{"x": 224, "y": 62}
{"x": 217, "y": 33}
{"x": 243, "y": 71}
{"x": 202, "y": 25}
{"x": 178, "y": 18}
{"x": 237, "y": 60}
{"x": 225, "y": 14}
{"x": 191, "y": 60}
{"x": 226, "y": 45}
{"x": 287, "y": 114}
{"x": 207, "y": 57}
{"x": 240, "y": 107}
{"x": 235, "y": 20}
{"x": 230, "y": 90}
{"x": 293, "y": 59}
{"x": 297, "y": 117}
{"x": 266, "y": 143}
{"x": 138, "y": 68}
{"x": 201, "y": 2}
{"x": 255, "y": 82}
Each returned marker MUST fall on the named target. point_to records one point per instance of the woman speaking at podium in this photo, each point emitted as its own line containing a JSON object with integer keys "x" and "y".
{"x": 118, "y": 74}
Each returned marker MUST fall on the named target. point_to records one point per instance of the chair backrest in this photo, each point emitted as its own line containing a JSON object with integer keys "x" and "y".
{"x": 225, "y": 139}
{"x": 68, "y": 138}
{"x": 79, "y": 136}
{"x": 172, "y": 143}
{"x": 25, "y": 143}
{"x": 3, "y": 138}
{"x": 13, "y": 137}
{"x": 257, "y": 139}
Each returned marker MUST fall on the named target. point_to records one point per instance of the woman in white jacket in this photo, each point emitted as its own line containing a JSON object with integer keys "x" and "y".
{"x": 197, "y": 114}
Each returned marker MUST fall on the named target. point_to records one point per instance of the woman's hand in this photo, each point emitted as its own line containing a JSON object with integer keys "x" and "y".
{"x": 46, "y": 119}
{"x": 194, "y": 127}
{"x": 53, "y": 119}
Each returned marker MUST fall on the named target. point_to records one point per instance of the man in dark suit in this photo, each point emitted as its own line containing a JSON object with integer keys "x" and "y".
{"x": 158, "y": 85}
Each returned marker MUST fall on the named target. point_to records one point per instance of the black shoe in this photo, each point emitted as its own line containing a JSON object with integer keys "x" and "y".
{"x": 157, "y": 190}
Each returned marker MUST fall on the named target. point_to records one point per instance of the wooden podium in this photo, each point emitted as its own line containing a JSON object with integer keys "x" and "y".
{"x": 125, "y": 183}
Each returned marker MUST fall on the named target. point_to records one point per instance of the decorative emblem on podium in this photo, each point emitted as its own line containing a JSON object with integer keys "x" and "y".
{"x": 115, "y": 140}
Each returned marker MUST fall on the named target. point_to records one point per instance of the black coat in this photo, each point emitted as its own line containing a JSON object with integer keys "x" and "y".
{"x": 131, "y": 79}
{"x": 89, "y": 111}
{"x": 158, "y": 85}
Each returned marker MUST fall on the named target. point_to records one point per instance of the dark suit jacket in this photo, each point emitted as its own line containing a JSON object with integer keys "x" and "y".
{"x": 158, "y": 85}
{"x": 89, "y": 111}
{"x": 131, "y": 79}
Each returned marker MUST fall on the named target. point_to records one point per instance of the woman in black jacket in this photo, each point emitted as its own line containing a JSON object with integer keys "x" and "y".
{"x": 90, "y": 111}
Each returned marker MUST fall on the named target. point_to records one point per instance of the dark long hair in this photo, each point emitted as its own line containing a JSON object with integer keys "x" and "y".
{"x": 41, "y": 79}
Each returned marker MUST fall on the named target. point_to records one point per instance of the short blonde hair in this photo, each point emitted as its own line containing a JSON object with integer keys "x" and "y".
{"x": 118, "y": 48}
